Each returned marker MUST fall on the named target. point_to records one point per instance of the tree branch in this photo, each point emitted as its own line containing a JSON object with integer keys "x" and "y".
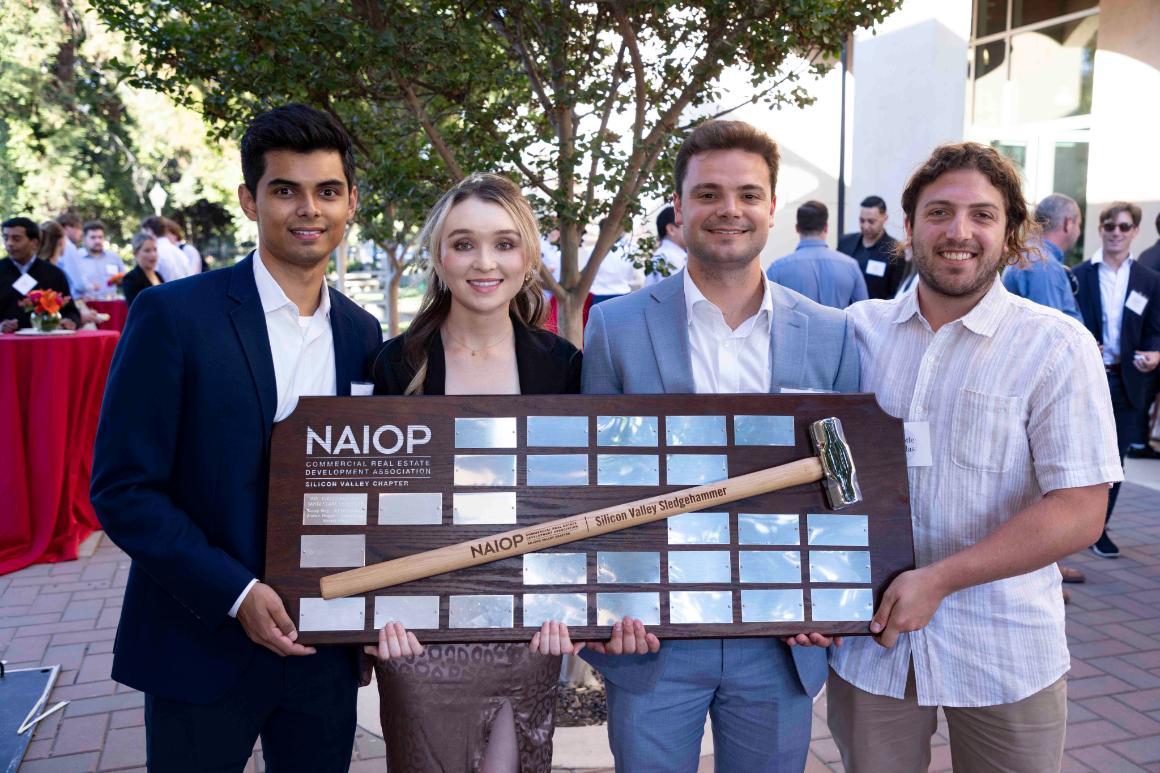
{"x": 432, "y": 132}
{"x": 628, "y": 36}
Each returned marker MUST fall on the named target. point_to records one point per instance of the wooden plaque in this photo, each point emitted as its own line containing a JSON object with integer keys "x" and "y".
{"x": 359, "y": 480}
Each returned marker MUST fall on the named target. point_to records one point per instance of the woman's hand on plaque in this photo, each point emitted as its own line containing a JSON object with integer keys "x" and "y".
{"x": 629, "y": 637}
{"x": 553, "y": 639}
{"x": 395, "y": 641}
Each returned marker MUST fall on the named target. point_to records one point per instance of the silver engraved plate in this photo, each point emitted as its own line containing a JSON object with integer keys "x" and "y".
{"x": 763, "y": 430}
{"x": 485, "y": 470}
{"x": 485, "y": 433}
{"x": 558, "y": 431}
{"x": 626, "y": 430}
{"x": 768, "y": 529}
{"x": 567, "y": 608}
{"x": 699, "y": 566}
{"x": 334, "y": 509}
{"x": 415, "y": 509}
{"x": 830, "y": 604}
{"x": 333, "y": 550}
{"x": 770, "y": 566}
{"x": 332, "y": 614}
{"x": 839, "y": 530}
{"x": 695, "y": 431}
{"x": 557, "y": 469}
{"x": 695, "y": 469}
{"x": 613, "y": 607}
{"x": 627, "y": 470}
{"x": 699, "y": 529}
{"x": 628, "y": 567}
{"x": 700, "y": 606}
{"x": 490, "y": 507}
{"x": 414, "y": 612}
{"x": 480, "y": 611}
{"x": 839, "y": 566}
{"x": 555, "y": 568}
{"x": 772, "y": 606}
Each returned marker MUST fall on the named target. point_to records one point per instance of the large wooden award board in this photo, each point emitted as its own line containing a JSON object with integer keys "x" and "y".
{"x": 359, "y": 480}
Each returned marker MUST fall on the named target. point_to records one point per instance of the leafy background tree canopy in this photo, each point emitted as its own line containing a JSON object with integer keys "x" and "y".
{"x": 72, "y": 135}
{"x": 583, "y": 102}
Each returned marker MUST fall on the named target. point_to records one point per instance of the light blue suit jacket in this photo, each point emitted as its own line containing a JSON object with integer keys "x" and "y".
{"x": 639, "y": 344}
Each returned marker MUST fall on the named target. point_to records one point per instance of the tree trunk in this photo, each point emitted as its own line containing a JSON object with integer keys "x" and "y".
{"x": 393, "y": 294}
{"x": 570, "y": 318}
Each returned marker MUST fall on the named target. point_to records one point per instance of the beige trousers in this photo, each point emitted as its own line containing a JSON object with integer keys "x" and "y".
{"x": 876, "y": 733}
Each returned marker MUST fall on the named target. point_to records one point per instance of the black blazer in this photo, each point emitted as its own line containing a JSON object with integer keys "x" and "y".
{"x": 547, "y": 364}
{"x": 47, "y": 276}
{"x": 884, "y": 286}
{"x": 1137, "y": 331}
{"x": 134, "y": 282}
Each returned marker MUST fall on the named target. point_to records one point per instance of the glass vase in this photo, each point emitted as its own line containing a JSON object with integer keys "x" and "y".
{"x": 46, "y": 323}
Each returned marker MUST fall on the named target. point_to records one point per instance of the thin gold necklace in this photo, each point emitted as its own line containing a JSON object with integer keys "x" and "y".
{"x": 474, "y": 352}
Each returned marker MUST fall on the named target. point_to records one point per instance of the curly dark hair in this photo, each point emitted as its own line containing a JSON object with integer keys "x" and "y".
{"x": 999, "y": 170}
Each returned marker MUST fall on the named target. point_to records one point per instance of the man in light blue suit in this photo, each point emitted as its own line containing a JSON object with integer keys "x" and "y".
{"x": 717, "y": 327}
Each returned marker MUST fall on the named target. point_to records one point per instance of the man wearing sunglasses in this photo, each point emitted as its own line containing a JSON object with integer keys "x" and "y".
{"x": 1120, "y": 302}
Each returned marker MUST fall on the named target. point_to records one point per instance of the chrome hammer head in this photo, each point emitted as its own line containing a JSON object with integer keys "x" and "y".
{"x": 841, "y": 479}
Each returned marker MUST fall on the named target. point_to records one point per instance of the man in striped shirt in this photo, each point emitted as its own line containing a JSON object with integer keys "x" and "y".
{"x": 1005, "y": 406}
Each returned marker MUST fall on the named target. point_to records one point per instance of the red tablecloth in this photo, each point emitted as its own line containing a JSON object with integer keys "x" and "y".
{"x": 117, "y": 310}
{"x": 50, "y": 399}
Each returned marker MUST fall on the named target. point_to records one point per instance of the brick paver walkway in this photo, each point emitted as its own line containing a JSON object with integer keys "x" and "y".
{"x": 67, "y": 614}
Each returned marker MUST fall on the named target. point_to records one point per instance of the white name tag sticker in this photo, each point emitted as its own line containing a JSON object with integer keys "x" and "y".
{"x": 876, "y": 267}
{"x": 24, "y": 284}
{"x": 361, "y": 388}
{"x": 112, "y": 270}
{"x": 1136, "y": 302}
{"x": 917, "y": 437}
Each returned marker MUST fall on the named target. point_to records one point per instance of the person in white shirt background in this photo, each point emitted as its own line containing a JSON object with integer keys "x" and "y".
{"x": 996, "y": 391}
{"x": 176, "y": 236}
{"x": 670, "y": 247}
{"x": 616, "y": 275}
{"x": 172, "y": 264}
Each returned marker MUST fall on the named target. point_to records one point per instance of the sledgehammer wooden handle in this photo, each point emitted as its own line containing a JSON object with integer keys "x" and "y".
{"x": 564, "y": 530}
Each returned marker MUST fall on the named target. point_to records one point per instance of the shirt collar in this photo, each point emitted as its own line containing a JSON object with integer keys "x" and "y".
{"x": 984, "y": 319}
{"x": 1053, "y": 250}
{"x": 272, "y": 295}
{"x": 811, "y": 243}
{"x": 1098, "y": 256}
{"x": 694, "y": 298}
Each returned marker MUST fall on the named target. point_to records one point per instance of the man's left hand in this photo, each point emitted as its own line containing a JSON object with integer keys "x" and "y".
{"x": 813, "y": 640}
{"x": 907, "y": 605}
{"x": 68, "y": 324}
{"x": 1146, "y": 362}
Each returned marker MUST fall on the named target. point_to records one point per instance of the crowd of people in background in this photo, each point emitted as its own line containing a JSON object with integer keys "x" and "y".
{"x": 71, "y": 257}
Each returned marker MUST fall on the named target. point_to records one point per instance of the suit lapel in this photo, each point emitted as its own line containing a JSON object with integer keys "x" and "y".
{"x": 668, "y": 328}
{"x": 787, "y": 345}
{"x": 347, "y": 365}
{"x": 1094, "y": 302}
{"x": 249, "y": 321}
{"x": 1131, "y": 323}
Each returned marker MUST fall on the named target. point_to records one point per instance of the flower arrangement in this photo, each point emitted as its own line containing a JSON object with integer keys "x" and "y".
{"x": 44, "y": 306}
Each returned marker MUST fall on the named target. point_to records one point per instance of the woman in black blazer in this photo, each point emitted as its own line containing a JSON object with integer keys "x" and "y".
{"x": 144, "y": 274}
{"x": 487, "y": 707}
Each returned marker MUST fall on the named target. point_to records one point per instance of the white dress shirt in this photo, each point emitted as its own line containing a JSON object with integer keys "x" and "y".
{"x": 672, "y": 254}
{"x": 728, "y": 361}
{"x": 1018, "y": 406}
{"x": 171, "y": 261}
{"x": 616, "y": 274}
{"x": 1113, "y": 293}
{"x": 302, "y": 349}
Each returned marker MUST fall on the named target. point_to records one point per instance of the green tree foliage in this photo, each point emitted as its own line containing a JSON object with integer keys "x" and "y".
{"x": 72, "y": 136}
{"x": 584, "y": 102}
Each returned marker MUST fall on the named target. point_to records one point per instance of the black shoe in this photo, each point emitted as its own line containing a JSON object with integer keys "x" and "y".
{"x": 1105, "y": 548}
{"x": 1146, "y": 452}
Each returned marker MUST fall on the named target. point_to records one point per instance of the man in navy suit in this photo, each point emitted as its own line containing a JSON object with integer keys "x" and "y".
{"x": 718, "y": 326}
{"x": 205, "y": 367}
{"x": 1120, "y": 301}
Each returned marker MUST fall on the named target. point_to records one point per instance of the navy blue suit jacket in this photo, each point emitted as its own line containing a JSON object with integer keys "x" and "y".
{"x": 1137, "y": 331}
{"x": 180, "y": 471}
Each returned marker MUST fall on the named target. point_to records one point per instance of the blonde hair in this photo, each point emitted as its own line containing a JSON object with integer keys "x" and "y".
{"x": 528, "y": 304}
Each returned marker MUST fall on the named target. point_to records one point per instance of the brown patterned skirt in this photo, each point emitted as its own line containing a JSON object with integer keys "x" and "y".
{"x": 437, "y": 709}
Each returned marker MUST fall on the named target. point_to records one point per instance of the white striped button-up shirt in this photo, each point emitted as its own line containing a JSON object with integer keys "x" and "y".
{"x": 1018, "y": 406}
